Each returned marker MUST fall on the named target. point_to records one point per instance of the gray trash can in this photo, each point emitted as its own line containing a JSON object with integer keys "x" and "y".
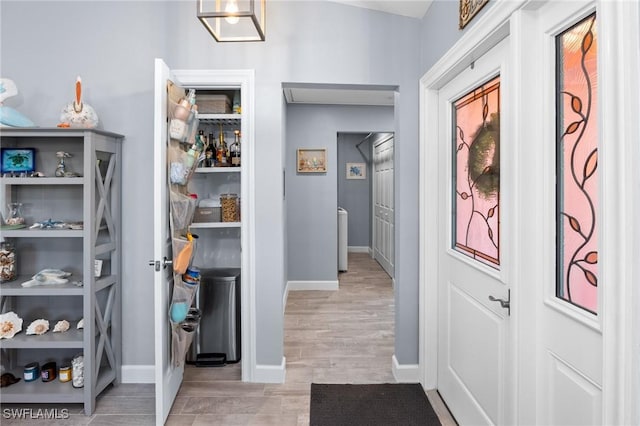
{"x": 217, "y": 339}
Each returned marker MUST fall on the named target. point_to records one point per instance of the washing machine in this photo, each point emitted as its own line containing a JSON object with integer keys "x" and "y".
{"x": 343, "y": 234}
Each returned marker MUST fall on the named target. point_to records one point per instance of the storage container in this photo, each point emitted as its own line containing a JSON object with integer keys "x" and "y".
{"x": 208, "y": 210}
{"x": 230, "y": 208}
{"x": 214, "y": 104}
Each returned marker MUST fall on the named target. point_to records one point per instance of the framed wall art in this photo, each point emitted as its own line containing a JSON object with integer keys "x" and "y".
{"x": 18, "y": 160}
{"x": 356, "y": 170}
{"x": 468, "y": 9}
{"x": 312, "y": 160}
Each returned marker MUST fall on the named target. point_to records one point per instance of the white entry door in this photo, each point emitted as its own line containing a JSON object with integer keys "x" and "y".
{"x": 383, "y": 217}
{"x": 168, "y": 378}
{"x": 473, "y": 329}
{"x": 567, "y": 269}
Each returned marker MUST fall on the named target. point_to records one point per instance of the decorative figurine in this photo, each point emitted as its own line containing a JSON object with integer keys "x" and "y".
{"x": 9, "y": 117}
{"x": 77, "y": 113}
{"x": 61, "y": 168}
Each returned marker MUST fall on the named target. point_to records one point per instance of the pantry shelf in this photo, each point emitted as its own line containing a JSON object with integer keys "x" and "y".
{"x": 218, "y": 170}
{"x": 201, "y": 225}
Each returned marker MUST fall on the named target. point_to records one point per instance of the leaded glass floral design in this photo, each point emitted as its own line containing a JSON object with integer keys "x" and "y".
{"x": 577, "y": 164}
{"x": 476, "y": 173}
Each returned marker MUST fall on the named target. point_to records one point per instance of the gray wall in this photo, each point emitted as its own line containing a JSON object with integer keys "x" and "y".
{"x": 112, "y": 45}
{"x": 354, "y": 195}
{"x": 312, "y": 197}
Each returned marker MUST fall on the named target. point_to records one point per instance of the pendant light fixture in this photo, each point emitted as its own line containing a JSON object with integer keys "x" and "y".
{"x": 233, "y": 20}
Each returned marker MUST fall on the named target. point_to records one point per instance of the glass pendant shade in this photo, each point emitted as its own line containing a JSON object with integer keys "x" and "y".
{"x": 233, "y": 20}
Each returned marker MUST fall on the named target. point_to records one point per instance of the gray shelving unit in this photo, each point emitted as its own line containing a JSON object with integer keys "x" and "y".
{"x": 93, "y": 198}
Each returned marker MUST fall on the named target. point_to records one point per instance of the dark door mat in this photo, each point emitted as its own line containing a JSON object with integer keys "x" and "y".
{"x": 390, "y": 404}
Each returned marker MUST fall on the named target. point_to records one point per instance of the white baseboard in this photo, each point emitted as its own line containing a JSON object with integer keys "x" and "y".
{"x": 409, "y": 373}
{"x": 270, "y": 373}
{"x": 358, "y": 249}
{"x": 138, "y": 374}
{"x": 312, "y": 285}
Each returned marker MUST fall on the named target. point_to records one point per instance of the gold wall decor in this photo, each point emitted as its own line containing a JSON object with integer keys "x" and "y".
{"x": 469, "y": 9}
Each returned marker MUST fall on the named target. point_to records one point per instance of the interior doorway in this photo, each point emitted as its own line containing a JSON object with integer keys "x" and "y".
{"x": 366, "y": 196}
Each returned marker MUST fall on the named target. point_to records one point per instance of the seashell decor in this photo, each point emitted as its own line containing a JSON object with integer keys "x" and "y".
{"x": 10, "y": 324}
{"x": 80, "y": 324}
{"x": 61, "y": 326}
{"x": 39, "y": 326}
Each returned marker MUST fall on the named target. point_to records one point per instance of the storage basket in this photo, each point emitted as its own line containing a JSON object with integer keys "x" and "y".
{"x": 214, "y": 104}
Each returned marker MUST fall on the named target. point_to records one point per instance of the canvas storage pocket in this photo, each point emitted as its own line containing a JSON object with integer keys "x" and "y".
{"x": 182, "y": 252}
{"x": 182, "y": 210}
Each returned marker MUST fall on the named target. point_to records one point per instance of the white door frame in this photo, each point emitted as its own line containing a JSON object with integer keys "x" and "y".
{"x": 620, "y": 65}
{"x": 211, "y": 79}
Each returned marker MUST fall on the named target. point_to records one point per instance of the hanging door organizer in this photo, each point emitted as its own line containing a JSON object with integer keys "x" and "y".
{"x": 184, "y": 151}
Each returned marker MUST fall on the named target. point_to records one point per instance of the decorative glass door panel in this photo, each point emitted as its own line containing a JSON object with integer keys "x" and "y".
{"x": 577, "y": 161}
{"x": 476, "y": 173}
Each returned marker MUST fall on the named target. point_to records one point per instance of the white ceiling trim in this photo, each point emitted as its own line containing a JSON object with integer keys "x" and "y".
{"x": 410, "y": 8}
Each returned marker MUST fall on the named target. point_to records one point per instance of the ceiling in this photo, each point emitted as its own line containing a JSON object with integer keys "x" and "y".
{"x": 410, "y": 8}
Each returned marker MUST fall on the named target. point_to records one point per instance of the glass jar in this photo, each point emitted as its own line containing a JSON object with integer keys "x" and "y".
{"x": 8, "y": 264}
{"x": 77, "y": 371}
{"x": 229, "y": 206}
{"x": 14, "y": 216}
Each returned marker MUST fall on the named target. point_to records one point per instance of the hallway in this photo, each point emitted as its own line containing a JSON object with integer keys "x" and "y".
{"x": 344, "y": 336}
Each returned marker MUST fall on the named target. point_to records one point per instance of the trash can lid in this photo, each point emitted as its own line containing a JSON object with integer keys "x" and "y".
{"x": 219, "y": 274}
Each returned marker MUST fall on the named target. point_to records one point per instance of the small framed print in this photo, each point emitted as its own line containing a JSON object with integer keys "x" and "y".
{"x": 18, "y": 160}
{"x": 356, "y": 170}
{"x": 312, "y": 160}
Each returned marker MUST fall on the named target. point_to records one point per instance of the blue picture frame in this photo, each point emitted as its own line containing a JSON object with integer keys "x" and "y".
{"x": 17, "y": 160}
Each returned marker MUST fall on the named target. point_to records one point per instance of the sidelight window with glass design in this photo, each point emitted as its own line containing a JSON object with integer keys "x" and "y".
{"x": 476, "y": 173}
{"x": 576, "y": 165}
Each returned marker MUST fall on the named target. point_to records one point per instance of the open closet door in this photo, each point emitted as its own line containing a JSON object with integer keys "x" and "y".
{"x": 168, "y": 377}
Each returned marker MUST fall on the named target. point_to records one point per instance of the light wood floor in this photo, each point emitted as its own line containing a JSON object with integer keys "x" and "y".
{"x": 343, "y": 336}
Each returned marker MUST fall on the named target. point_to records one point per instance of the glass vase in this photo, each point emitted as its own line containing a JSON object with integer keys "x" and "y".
{"x": 14, "y": 216}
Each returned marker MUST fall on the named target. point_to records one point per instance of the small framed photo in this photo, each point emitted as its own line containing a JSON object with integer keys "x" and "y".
{"x": 312, "y": 160}
{"x": 356, "y": 170}
{"x": 18, "y": 160}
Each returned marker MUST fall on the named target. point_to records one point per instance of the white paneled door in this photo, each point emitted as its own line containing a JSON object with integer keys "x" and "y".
{"x": 383, "y": 208}
{"x": 570, "y": 352}
{"x": 168, "y": 378}
{"x": 473, "y": 323}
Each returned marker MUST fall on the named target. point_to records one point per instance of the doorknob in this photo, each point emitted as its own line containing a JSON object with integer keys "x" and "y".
{"x": 160, "y": 264}
{"x": 504, "y": 303}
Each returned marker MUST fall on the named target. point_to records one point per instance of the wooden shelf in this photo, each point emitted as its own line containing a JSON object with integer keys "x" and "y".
{"x": 35, "y": 391}
{"x": 43, "y": 233}
{"x": 14, "y": 288}
{"x": 41, "y": 181}
{"x": 88, "y": 199}
{"x": 71, "y": 338}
